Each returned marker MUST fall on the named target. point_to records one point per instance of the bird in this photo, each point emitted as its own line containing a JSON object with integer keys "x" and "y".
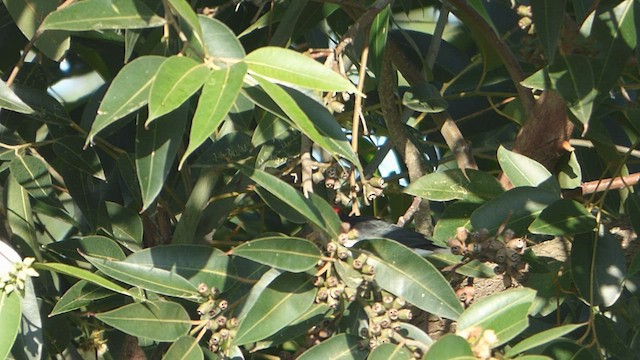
{"x": 368, "y": 227}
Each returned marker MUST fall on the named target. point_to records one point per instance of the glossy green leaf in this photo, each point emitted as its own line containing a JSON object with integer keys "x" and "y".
{"x": 10, "y": 314}
{"x": 523, "y": 171}
{"x": 518, "y": 207}
{"x": 505, "y": 313}
{"x": 194, "y": 208}
{"x": 31, "y": 335}
{"x": 312, "y": 119}
{"x": 34, "y": 177}
{"x": 70, "y": 150}
{"x": 177, "y": 79}
{"x": 318, "y": 212}
{"x": 83, "y": 274}
{"x": 569, "y": 172}
{"x": 125, "y": 225}
{"x": 186, "y": 348}
{"x": 288, "y": 66}
{"x": 146, "y": 276}
{"x": 453, "y": 185}
{"x": 183, "y": 9}
{"x": 598, "y": 267}
{"x": 615, "y": 31}
{"x": 378, "y": 33}
{"x": 231, "y": 147}
{"x": 218, "y": 95}
{"x": 155, "y": 320}
{"x": 548, "y": 17}
{"x": 575, "y": 82}
{"x": 10, "y": 101}
{"x": 286, "y": 253}
{"x": 196, "y": 263}
{"x": 473, "y": 268}
{"x": 281, "y": 302}
{"x": 79, "y": 295}
{"x": 128, "y": 92}
{"x": 566, "y": 350}
{"x": 20, "y": 217}
{"x": 563, "y": 217}
{"x": 541, "y": 338}
{"x": 404, "y": 273}
{"x": 87, "y": 193}
{"x": 390, "y": 352}
{"x": 281, "y": 207}
{"x": 219, "y": 41}
{"x": 312, "y": 317}
{"x": 28, "y": 15}
{"x": 285, "y": 30}
{"x": 93, "y": 245}
{"x": 450, "y": 347}
{"x": 99, "y": 14}
{"x": 338, "y": 347}
{"x": 156, "y": 149}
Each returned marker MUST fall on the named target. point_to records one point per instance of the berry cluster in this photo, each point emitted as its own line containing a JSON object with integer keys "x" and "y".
{"x": 505, "y": 251}
{"x": 211, "y": 313}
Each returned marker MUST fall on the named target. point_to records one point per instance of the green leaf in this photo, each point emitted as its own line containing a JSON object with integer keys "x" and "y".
{"x": 574, "y": 81}
{"x": 290, "y": 67}
{"x": 453, "y": 185}
{"x": 473, "y": 268}
{"x": 125, "y": 225}
{"x": 156, "y": 149}
{"x": 285, "y": 253}
{"x": 20, "y": 217}
{"x": 523, "y": 171}
{"x": 34, "y": 177}
{"x": 518, "y": 207}
{"x": 186, "y": 348}
{"x": 569, "y": 172}
{"x": 186, "y": 13}
{"x": 378, "y": 33}
{"x": 46, "y": 109}
{"x": 99, "y": 14}
{"x": 155, "y": 320}
{"x": 390, "y": 352}
{"x": 86, "y": 192}
{"x": 338, "y": 347}
{"x": 83, "y": 274}
{"x": 505, "y": 313}
{"x": 319, "y": 212}
{"x": 404, "y": 273}
{"x": 130, "y": 184}
{"x": 285, "y": 30}
{"x": 196, "y": 263}
{"x": 220, "y": 42}
{"x": 281, "y": 302}
{"x": 563, "y": 217}
{"x": 548, "y": 17}
{"x": 196, "y": 204}
{"x": 323, "y": 129}
{"x": 615, "y": 31}
{"x": 128, "y": 92}
{"x": 146, "y": 276}
{"x": 312, "y": 317}
{"x": 93, "y": 245}
{"x": 10, "y": 101}
{"x": 177, "y": 79}
{"x": 28, "y": 15}
{"x": 598, "y": 267}
{"x": 79, "y": 295}
{"x": 450, "y": 347}
{"x": 218, "y": 96}
{"x": 10, "y": 315}
{"x": 455, "y": 215}
{"x": 541, "y": 338}
{"x": 70, "y": 150}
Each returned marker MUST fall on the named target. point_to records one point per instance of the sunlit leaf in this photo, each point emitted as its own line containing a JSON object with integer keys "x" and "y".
{"x": 99, "y": 14}
{"x": 155, "y": 320}
{"x": 34, "y": 177}
{"x": 541, "y": 338}
{"x": 219, "y": 41}
{"x": 286, "y": 253}
{"x": 10, "y": 314}
{"x": 523, "y": 171}
{"x": 450, "y": 347}
{"x": 390, "y": 352}
{"x": 290, "y": 67}
{"x": 128, "y": 92}
{"x": 404, "y": 273}
{"x": 339, "y": 347}
{"x": 177, "y": 79}
{"x": 453, "y": 185}
{"x": 281, "y": 302}
{"x": 563, "y": 217}
{"x": 189, "y": 16}
{"x": 79, "y": 295}
{"x": 505, "y": 313}
{"x": 10, "y": 101}
{"x": 70, "y": 150}
{"x": 186, "y": 348}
